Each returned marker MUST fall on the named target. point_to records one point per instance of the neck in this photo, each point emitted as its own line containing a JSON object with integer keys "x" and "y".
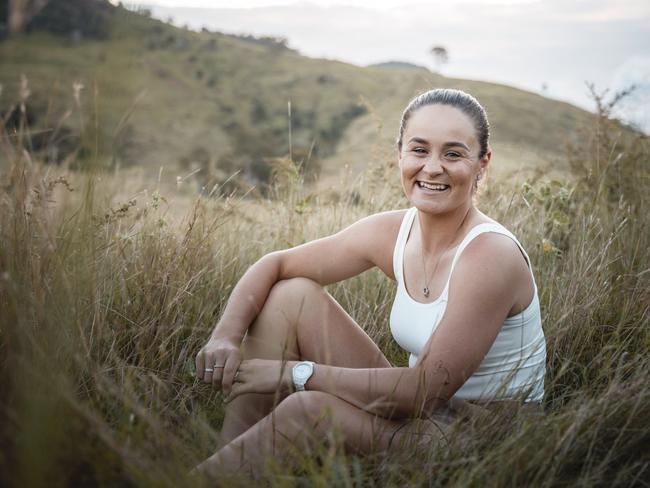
{"x": 439, "y": 231}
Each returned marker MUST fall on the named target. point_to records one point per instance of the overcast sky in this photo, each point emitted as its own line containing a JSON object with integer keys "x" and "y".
{"x": 530, "y": 44}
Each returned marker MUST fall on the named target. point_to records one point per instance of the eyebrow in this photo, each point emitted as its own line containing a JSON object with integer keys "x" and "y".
{"x": 446, "y": 144}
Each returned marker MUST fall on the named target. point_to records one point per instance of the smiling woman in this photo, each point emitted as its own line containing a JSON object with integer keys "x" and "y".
{"x": 293, "y": 362}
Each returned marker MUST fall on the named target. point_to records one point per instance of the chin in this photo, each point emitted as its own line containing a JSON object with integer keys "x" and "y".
{"x": 434, "y": 207}
{"x": 429, "y": 207}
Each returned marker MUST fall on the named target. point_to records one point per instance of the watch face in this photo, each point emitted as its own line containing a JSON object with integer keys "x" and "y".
{"x": 302, "y": 370}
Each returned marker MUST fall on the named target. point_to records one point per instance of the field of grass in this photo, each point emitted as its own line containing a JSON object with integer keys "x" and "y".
{"x": 109, "y": 285}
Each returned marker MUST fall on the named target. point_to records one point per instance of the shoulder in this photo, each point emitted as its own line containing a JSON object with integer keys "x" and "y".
{"x": 378, "y": 227}
{"x": 375, "y": 237}
{"x": 388, "y": 218}
{"x": 348, "y": 252}
{"x": 491, "y": 243}
{"x": 495, "y": 256}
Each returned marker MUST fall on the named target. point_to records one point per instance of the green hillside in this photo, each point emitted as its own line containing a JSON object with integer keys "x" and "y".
{"x": 155, "y": 95}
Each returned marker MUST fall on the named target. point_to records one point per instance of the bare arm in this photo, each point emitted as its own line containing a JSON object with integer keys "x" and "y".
{"x": 452, "y": 353}
{"x": 327, "y": 260}
{"x": 247, "y": 298}
{"x": 331, "y": 259}
{"x": 388, "y": 392}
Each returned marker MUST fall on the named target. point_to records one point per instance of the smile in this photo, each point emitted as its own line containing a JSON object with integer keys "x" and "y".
{"x": 432, "y": 187}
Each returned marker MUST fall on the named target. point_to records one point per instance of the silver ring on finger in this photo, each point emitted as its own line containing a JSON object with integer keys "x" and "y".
{"x": 208, "y": 370}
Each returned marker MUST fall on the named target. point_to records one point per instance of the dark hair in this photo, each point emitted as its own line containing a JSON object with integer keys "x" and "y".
{"x": 454, "y": 98}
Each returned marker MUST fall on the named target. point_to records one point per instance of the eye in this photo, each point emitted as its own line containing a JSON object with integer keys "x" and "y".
{"x": 419, "y": 150}
{"x": 453, "y": 155}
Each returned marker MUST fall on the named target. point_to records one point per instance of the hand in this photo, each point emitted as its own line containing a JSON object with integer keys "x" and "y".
{"x": 223, "y": 356}
{"x": 262, "y": 376}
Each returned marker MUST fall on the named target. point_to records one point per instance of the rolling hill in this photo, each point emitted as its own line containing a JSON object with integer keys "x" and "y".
{"x": 149, "y": 94}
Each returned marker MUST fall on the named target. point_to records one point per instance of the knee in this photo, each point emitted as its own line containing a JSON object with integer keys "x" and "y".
{"x": 309, "y": 408}
{"x": 293, "y": 290}
{"x": 273, "y": 333}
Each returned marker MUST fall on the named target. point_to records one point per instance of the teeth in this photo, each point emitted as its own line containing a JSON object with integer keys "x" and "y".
{"x": 430, "y": 186}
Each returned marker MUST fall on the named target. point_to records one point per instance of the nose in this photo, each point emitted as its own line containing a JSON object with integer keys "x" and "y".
{"x": 433, "y": 165}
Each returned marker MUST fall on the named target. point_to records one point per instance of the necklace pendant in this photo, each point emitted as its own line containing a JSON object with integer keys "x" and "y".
{"x": 426, "y": 291}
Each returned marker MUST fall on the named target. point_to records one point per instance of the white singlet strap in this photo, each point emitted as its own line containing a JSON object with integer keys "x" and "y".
{"x": 480, "y": 229}
{"x": 400, "y": 242}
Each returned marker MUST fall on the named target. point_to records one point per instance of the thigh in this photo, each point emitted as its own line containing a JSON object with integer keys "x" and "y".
{"x": 419, "y": 435}
{"x": 362, "y": 432}
{"x": 301, "y": 320}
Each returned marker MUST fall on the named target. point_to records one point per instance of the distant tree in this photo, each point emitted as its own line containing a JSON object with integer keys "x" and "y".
{"x": 21, "y": 12}
{"x": 440, "y": 56}
{"x": 76, "y": 18}
{"x": 276, "y": 42}
{"x": 145, "y": 12}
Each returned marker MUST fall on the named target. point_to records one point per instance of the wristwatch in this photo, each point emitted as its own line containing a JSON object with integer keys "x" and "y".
{"x": 301, "y": 372}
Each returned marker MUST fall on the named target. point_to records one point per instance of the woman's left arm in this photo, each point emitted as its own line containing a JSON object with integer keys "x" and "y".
{"x": 482, "y": 291}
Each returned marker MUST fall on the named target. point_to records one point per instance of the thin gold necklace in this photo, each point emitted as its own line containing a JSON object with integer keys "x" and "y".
{"x": 425, "y": 290}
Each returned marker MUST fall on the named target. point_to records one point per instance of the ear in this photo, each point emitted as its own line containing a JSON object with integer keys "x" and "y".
{"x": 484, "y": 163}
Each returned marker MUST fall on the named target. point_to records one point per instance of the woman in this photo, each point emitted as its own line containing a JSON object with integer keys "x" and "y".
{"x": 282, "y": 333}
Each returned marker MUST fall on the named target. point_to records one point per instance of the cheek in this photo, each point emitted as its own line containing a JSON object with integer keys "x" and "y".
{"x": 464, "y": 171}
{"x": 409, "y": 164}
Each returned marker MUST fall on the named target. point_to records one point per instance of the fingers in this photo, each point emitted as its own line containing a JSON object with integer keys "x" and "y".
{"x": 200, "y": 364}
{"x": 229, "y": 370}
{"x": 238, "y": 389}
{"x": 217, "y": 373}
{"x": 234, "y": 393}
{"x": 207, "y": 368}
{"x": 212, "y": 359}
{"x": 208, "y": 372}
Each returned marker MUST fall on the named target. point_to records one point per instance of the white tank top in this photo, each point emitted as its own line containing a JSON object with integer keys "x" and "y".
{"x": 515, "y": 364}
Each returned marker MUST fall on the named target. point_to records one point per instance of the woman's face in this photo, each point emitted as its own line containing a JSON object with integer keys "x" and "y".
{"x": 440, "y": 150}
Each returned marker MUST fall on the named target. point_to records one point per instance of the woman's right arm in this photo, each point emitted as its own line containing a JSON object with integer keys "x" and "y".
{"x": 245, "y": 302}
{"x": 334, "y": 258}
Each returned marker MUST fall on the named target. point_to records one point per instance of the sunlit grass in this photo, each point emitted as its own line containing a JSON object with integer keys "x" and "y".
{"x": 107, "y": 292}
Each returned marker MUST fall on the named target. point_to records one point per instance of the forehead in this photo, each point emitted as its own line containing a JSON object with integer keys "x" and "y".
{"x": 439, "y": 124}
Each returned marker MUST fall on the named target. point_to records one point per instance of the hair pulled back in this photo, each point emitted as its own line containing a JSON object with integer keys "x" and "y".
{"x": 454, "y": 98}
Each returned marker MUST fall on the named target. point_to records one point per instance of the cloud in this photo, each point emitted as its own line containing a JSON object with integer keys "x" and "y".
{"x": 635, "y": 109}
{"x": 635, "y": 70}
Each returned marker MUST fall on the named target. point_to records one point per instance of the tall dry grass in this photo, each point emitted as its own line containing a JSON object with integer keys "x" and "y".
{"x": 104, "y": 303}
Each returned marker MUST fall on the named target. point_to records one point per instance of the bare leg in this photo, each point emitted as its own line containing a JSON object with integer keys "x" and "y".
{"x": 310, "y": 414}
{"x": 299, "y": 320}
